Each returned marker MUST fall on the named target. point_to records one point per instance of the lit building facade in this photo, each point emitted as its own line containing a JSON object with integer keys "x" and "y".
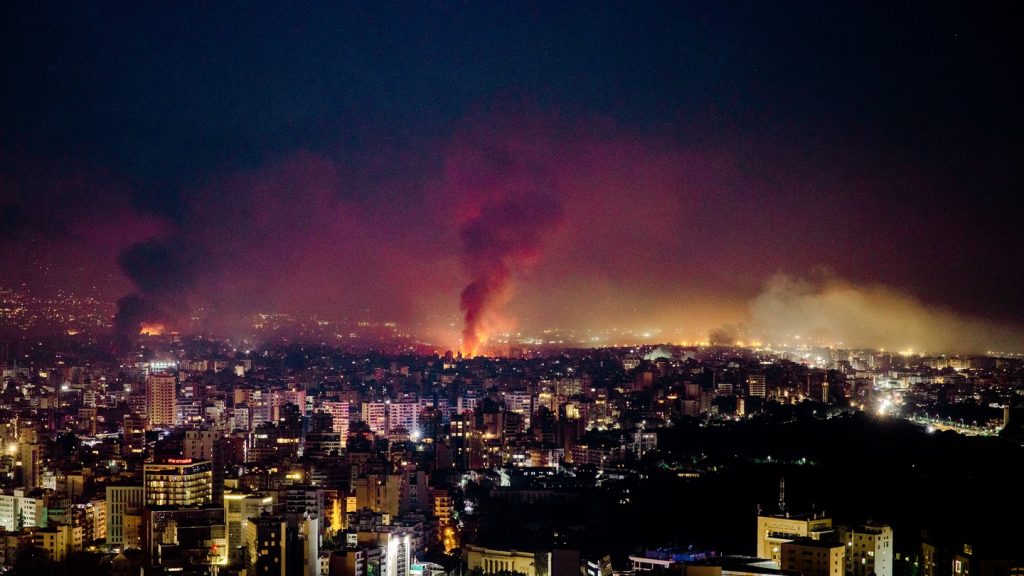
{"x": 178, "y": 482}
{"x": 814, "y": 557}
{"x": 238, "y": 508}
{"x": 868, "y": 550}
{"x": 756, "y": 386}
{"x": 122, "y": 501}
{"x": 493, "y": 560}
{"x": 773, "y": 531}
{"x": 265, "y": 538}
{"x": 160, "y": 399}
{"x": 339, "y": 416}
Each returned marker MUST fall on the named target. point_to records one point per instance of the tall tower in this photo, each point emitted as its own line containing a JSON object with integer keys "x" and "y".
{"x": 160, "y": 399}
{"x": 265, "y": 543}
{"x": 756, "y": 385}
{"x": 31, "y": 464}
{"x": 207, "y": 445}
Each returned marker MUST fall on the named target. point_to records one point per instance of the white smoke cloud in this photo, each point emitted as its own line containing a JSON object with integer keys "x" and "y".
{"x": 833, "y": 311}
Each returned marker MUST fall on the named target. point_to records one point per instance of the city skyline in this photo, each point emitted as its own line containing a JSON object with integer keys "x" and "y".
{"x": 655, "y": 288}
{"x": 841, "y": 173}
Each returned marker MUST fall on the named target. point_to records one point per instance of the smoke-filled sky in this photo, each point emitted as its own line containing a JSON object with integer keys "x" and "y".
{"x": 848, "y": 171}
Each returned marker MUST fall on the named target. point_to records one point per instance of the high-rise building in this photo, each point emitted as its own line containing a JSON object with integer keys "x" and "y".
{"x": 278, "y": 399}
{"x": 265, "y": 539}
{"x": 397, "y": 559}
{"x": 774, "y": 530}
{"x": 122, "y": 501}
{"x": 178, "y": 482}
{"x": 443, "y": 512}
{"x": 92, "y": 517}
{"x": 414, "y": 493}
{"x": 207, "y": 445}
{"x": 134, "y": 435}
{"x": 176, "y": 536}
{"x": 199, "y": 444}
{"x": 380, "y": 493}
{"x": 567, "y": 387}
{"x": 404, "y": 414}
{"x": 56, "y": 541}
{"x": 756, "y": 385}
{"x": 375, "y": 416}
{"x": 323, "y": 443}
{"x": 339, "y": 417}
{"x": 520, "y": 402}
{"x": 238, "y": 509}
{"x": 30, "y": 455}
{"x": 87, "y": 420}
{"x": 160, "y": 399}
{"x": 814, "y": 557}
{"x": 868, "y": 549}
{"x": 301, "y": 499}
{"x": 459, "y": 429}
{"x": 305, "y": 542}
{"x": 20, "y": 511}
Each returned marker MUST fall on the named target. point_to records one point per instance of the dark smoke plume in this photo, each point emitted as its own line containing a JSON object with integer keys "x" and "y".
{"x": 504, "y": 173}
{"x": 163, "y": 273}
{"x": 264, "y": 220}
{"x": 506, "y": 234}
{"x": 132, "y": 311}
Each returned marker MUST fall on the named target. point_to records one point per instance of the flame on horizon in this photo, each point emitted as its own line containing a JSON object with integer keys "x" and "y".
{"x": 153, "y": 329}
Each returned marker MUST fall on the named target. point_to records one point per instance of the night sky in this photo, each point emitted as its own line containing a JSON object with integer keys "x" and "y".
{"x": 850, "y": 172}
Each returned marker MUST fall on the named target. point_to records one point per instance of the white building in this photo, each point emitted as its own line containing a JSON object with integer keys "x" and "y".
{"x": 19, "y": 510}
{"x": 404, "y": 414}
{"x": 121, "y": 500}
{"x": 520, "y": 402}
{"x": 339, "y": 417}
{"x": 375, "y": 416}
{"x": 868, "y": 549}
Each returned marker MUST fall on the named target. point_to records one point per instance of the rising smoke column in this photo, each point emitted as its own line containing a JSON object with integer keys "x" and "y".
{"x": 502, "y": 176}
{"x": 239, "y": 241}
{"x": 164, "y": 272}
{"x": 506, "y": 235}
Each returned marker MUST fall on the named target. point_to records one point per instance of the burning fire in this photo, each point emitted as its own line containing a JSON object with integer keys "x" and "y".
{"x": 151, "y": 329}
{"x": 476, "y": 339}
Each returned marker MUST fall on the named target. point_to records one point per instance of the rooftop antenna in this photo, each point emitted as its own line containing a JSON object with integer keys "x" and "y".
{"x": 782, "y": 494}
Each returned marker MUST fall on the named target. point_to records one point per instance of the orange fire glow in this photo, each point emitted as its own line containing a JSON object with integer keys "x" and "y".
{"x": 491, "y": 325}
{"x": 470, "y": 350}
{"x": 151, "y": 329}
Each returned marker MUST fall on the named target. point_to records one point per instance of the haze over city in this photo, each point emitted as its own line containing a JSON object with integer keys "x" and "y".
{"x": 846, "y": 174}
{"x": 511, "y": 288}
